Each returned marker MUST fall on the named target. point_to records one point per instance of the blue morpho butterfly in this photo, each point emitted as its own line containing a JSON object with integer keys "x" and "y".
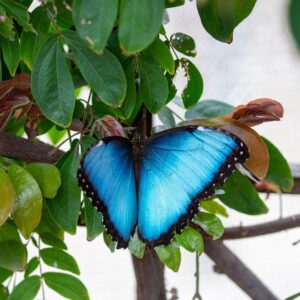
{"x": 156, "y": 183}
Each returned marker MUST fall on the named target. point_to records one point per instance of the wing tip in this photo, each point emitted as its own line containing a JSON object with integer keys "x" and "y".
{"x": 87, "y": 188}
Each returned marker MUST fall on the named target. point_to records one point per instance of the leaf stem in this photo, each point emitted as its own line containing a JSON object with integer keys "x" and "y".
{"x": 49, "y": 15}
{"x": 41, "y": 271}
{"x": 197, "y": 295}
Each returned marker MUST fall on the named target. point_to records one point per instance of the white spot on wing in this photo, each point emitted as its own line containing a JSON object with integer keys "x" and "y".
{"x": 100, "y": 143}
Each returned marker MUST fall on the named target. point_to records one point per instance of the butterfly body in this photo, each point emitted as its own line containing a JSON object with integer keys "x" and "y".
{"x": 156, "y": 183}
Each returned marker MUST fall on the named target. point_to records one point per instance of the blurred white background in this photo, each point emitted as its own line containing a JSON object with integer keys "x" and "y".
{"x": 261, "y": 62}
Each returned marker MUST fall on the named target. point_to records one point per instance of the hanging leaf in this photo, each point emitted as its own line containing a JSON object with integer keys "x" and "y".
{"x": 170, "y": 256}
{"x": 219, "y": 18}
{"x": 153, "y": 84}
{"x": 13, "y": 254}
{"x": 208, "y": 109}
{"x": 294, "y": 10}
{"x": 191, "y": 240}
{"x": 241, "y": 195}
{"x": 183, "y": 43}
{"x": 47, "y": 176}
{"x": 6, "y": 25}
{"x": 167, "y": 118}
{"x": 3, "y": 292}
{"x": 65, "y": 206}
{"x": 93, "y": 220}
{"x": 4, "y": 274}
{"x": 31, "y": 42}
{"x": 136, "y": 246}
{"x": 56, "y": 135}
{"x": 52, "y": 85}
{"x": 66, "y": 285}
{"x": 94, "y": 20}
{"x": 103, "y": 72}
{"x": 31, "y": 266}
{"x": 139, "y": 23}
{"x": 161, "y": 53}
{"x": 51, "y": 239}
{"x": 109, "y": 242}
{"x": 7, "y": 196}
{"x": 194, "y": 87}
{"x": 28, "y": 202}
{"x": 26, "y": 289}
{"x": 210, "y": 223}
{"x": 279, "y": 171}
{"x": 214, "y": 207}
{"x": 11, "y": 54}
{"x": 18, "y": 12}
{"x": 60, "y": 259}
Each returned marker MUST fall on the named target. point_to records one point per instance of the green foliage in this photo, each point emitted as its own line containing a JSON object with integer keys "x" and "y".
{"x": 31, "y": 266}
{"x": 214, "y": 207}
{"x": 7, "y": 197}
{"x": 26, "y": 289}
{"x": 170, "y": 256}
{"x": 241, "y": 195}
{"x": 294, "y": 10}
{"x": 191, "y": 240}
{"x": 183, "y": 43}
{"x": 136, "y": 246}
{"x": 11, "y": 54}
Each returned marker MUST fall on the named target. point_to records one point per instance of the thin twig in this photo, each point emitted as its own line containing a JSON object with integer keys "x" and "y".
{"x": 40, "y": 268}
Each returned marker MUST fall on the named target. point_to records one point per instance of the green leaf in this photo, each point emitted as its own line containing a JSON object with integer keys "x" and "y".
{"x": 219, "y": 18}
{"x": 103, "y": 72}
{"x": 136, "y": 109}
{"x": 4, "y": 274}
{"x": 65, "y": 207}
{"x": 161, "y": 53}
{"x": 241, "y": 195}
{"x": 140, "y": 22}
{"x": 136, "y": 246}
{"x": 47, "y": 176}
{"x": 26, "y": 289}
{"x": 153, "y": 86}
{"x": 208, "y": 109}
{"x": 94, "y": 20}
{"x": 191, "y": 240}
{"x": 52, "y": 85}
{"x": 6, "y": 25}
{"x": 170, "y": 256}
{"x": 18, "y": 12}
{"x": 56, "y": 135}
{"x": 51, "y": 239}
{"x": 294, "y": 10}
{"x": 130, "y": 99}
{"x": 11, "y": 54}
{"x": 13, "y": 254}
{"x": 63, "y": 13}
{"x": 174, "y": 3}
{"x": 194, "y": 87}
{"x": 55, "y": 257}
{"x": 28, "y": 203}
{"x": 295, "y": 296}
{"x": 210, "y": 223}
{"x": 31, "y": 42}
{"x": 93, "y": 220}
{"x": 66, "y": 285}
{"x": 167, "y": 118}
{"x": 214, "y": 207}
{"x": 3, "y": 292}
{"x": 7, "y": 196}
{"x": 183, "y": 43}
{"x": 279, "y": 171}
{"x": 31, "y": 266}
{"x": 109, "y": 242}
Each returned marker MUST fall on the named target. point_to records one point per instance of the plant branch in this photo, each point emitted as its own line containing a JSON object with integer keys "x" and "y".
{"x": 228, "y": 263}
{"x": 262, "y": 229}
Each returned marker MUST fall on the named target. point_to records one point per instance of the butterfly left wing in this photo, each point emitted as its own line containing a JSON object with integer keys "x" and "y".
{"x": 180, "y": 167}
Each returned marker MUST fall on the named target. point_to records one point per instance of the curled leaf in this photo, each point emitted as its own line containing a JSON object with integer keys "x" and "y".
{"x": 258, "y": 162}
{"x": 257, "y": 112}
{"x": 109, "y": 126}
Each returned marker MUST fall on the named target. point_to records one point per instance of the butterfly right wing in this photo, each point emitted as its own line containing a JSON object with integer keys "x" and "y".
{"x": 106, "y": 174}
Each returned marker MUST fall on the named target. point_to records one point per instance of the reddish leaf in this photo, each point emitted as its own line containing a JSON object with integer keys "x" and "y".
{"x": 258, "y": 162}
{"x": 257, "y": 112}
{"x": 267, "y": 186}
{"x": 109, "y": 126}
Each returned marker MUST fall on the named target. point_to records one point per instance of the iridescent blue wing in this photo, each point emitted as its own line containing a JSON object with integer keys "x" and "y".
{"x": 180, "y": 167}
{"x": 106, "y": 174}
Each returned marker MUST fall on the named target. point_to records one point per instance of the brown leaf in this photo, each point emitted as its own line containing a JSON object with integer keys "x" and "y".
{"x": 267, "y": 186}
{"x": 257, "y": 112}
{"x": 109, "y": 126}
{"x": 258, "y": 162}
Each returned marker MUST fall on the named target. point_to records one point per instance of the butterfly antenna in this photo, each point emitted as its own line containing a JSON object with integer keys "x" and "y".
{"x": 247, "y": 173}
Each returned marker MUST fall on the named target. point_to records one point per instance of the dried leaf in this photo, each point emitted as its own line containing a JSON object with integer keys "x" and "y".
{"x": 257, "y": 112}
{"x": 258, "y": 162}
{"x": 109, "y": 126}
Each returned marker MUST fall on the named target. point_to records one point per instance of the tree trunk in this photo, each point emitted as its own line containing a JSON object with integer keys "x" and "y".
{"x": 149, "y": 272}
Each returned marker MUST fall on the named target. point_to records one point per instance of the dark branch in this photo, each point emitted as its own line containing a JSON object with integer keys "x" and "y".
{"x": 261, "y": 229}
{"x": 228, "y": 263}
{"x": 32, "y": 151}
